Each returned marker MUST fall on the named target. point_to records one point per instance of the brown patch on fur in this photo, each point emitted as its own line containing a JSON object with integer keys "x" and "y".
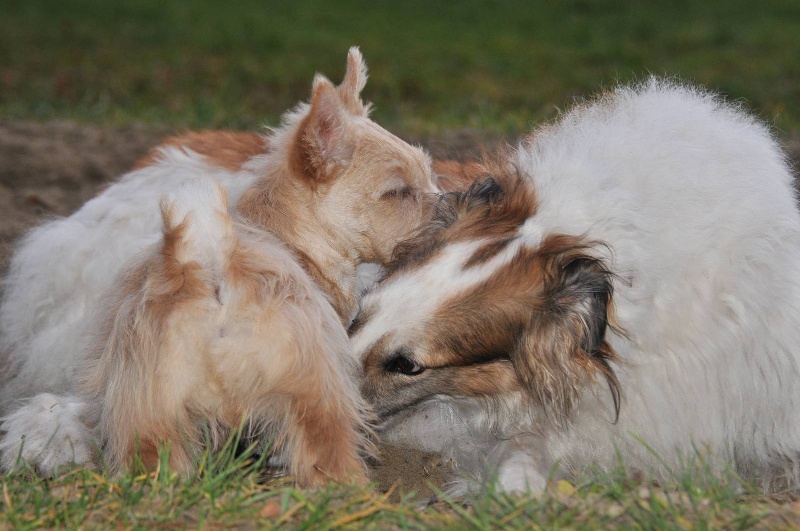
{"x": 299, "y": 160}
{"x": 271, "y": 206}
{"x": 491, "y": 378}
{"x": 494, "y": 208}
{"x": 148, "y": 454}
{"x": 546, "y": 311}
{"x": 225, "y": 149}
{"x": 342, "y": 301}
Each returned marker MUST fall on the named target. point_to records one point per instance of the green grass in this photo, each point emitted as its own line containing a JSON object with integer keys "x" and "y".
{"x": 231, "y": 492}
{"x": 497, "y": 66}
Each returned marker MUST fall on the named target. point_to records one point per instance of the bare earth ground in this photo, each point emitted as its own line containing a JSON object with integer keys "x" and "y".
{"x": 50, "y": 169}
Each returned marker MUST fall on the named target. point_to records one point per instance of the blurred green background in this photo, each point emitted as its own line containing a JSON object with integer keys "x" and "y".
{"x": 434, "y": 65}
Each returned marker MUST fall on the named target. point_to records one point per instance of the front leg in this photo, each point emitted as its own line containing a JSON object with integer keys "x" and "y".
{"x": 47, "y": 431}
{"x": 520, "y": 464}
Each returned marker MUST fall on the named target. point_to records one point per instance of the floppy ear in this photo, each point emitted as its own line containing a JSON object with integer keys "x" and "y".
{"x": 324, "y": 143}
{"x": 355, "y": 79}
{"x": 563, "y": 346}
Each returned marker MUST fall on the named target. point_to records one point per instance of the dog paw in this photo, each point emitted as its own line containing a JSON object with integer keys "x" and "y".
{"x": 520, "y": 473}
{"x": 46, "y": 432}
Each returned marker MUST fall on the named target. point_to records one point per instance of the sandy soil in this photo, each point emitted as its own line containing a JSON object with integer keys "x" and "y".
{"x": 50, "y": 169}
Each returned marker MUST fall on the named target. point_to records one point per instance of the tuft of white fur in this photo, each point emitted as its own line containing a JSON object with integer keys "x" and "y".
{"x": 694, "y": 202}
{"x": 200, "y": 209}
{"x": 47, "y": 432}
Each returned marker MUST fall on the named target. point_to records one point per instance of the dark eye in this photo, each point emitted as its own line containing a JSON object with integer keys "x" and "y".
{"x": 404, "y": 365}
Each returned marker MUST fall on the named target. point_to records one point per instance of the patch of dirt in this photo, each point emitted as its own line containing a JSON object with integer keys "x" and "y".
{"x": 51, "y": 169}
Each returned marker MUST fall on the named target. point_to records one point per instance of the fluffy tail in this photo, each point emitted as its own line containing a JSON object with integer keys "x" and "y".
{"x": 198, "y": 225}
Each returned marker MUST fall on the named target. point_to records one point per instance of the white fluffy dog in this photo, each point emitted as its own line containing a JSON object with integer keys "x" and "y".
{"x": 628, "y": 277}
{"x": 208, "y": 318}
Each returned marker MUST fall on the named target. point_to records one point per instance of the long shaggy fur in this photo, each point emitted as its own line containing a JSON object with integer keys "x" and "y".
{"x": 218, "y": 324}
{"x": 187, "y": 320}
{"x": 683, "y": 301}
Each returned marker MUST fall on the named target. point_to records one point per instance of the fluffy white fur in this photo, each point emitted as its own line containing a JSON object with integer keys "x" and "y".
{"x": 695, "y": 204}
{"x": 47, "y": 432}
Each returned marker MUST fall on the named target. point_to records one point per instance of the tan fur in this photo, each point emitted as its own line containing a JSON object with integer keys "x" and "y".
{"x": 348, "y": 192}
{"x": 184, "y": 348}
{"x": 190, "y": 340}
{"x": 226, "y": 149}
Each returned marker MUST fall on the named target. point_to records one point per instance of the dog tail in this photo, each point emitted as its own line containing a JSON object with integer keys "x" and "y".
{"x": 197, "y": 224}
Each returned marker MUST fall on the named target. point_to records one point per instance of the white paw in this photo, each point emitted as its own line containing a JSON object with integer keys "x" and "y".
{"x": 520, "y": 473}
{"x": 47, "y": 432}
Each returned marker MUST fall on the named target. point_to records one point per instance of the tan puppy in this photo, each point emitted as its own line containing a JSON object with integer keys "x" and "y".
{"x": 222, "y": 323}
{"x": 213, "y": 318}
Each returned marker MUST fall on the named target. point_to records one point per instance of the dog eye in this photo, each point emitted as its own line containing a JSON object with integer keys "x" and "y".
{"x": 404, "y": 365}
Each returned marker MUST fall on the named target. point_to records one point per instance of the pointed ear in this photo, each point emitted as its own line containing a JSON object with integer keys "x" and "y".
{"x": 355, "y": 78}
{"x": 563, "y": 347}
{"x": 323, "y": 144}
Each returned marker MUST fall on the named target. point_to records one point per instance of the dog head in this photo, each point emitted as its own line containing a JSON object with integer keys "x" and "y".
{"x": 475, "y": 307}
{"x": 342, "y": 177}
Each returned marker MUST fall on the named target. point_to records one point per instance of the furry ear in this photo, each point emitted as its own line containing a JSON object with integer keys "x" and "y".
{"x": 355, "y": 79}
{"x": 563, "y": 346}
{"x": 324, "y": 143}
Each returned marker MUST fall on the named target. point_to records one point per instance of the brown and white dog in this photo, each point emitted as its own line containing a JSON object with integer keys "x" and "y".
{"x": 198, "y": 317}
{"x": 625, "y": 284}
